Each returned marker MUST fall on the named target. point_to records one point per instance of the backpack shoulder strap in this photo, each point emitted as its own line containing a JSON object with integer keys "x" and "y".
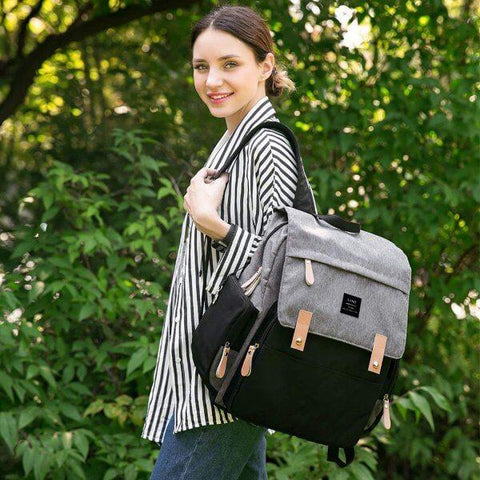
{"x": 304, "y": 199}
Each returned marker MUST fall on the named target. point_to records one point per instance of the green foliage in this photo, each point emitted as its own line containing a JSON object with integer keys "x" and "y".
{"x": 84, "y": 295}
{"x": 389, "y": 133}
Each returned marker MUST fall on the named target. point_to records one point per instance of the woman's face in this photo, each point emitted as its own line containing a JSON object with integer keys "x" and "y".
{"x": 223, "y": 64}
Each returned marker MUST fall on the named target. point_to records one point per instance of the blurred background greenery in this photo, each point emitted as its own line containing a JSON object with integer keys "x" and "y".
{"x": 101, "y": 130}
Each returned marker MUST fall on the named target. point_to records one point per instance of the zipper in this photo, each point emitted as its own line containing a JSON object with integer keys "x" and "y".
{"x": 247, "y": 362}
{"x": 222, "y": 364}
{"x": 386, "y": 412}
{"x": 248, "y": 291}
{"x": 386, "y": 401}
{"x": 309, "y": 278}
{"x": 252, "y": 279}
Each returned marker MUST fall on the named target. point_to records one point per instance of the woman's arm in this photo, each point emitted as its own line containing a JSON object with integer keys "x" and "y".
{"x": 276, "y": 177}
{"x": 215, "y": 227}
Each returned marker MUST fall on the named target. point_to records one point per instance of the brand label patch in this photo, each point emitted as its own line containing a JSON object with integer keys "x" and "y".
{"x": 350, "y": 305}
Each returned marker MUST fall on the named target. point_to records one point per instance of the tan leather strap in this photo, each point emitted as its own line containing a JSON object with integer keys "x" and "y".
{"x": 378, "y": 352}
{"x": 301, "y": 329}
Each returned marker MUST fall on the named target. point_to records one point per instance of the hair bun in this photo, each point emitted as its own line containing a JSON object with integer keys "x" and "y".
{"x": 278, "y": 82}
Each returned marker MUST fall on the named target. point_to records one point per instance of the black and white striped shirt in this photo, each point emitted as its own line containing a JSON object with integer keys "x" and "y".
{"x": 263, "y": 176}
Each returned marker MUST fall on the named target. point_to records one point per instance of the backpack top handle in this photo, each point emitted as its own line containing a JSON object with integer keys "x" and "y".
{"x": 304, "y": 199}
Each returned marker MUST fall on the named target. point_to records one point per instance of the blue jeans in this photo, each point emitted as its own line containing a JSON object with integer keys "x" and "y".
{"x": 232, "y": 451}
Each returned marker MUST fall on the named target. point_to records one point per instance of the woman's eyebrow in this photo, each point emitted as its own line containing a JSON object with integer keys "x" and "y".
{"x": 219, "y": 58}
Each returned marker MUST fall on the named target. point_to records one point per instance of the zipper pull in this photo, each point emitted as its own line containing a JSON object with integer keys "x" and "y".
{"x": 247, "y": 363}
{"x": 252, "y": 279}
{"x": 309, "y": 279}
{"x": 252, "y": 287}
{"x": 222, "y": 365}
{"x": 386, "y": 412}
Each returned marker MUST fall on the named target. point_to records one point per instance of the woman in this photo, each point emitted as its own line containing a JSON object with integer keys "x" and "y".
{"x": 234, "y": 71}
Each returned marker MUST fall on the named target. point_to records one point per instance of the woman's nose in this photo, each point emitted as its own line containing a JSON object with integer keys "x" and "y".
{"x": 213, "y": 79}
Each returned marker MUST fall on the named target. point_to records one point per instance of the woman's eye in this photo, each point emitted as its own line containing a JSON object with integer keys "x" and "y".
{"x": 198, "y": 67}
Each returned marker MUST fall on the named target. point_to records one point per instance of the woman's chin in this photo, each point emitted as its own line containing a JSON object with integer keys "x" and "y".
{"x": 218, "y": 112}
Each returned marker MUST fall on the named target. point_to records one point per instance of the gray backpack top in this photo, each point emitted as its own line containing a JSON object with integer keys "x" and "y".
{"x": 375, "y": 270}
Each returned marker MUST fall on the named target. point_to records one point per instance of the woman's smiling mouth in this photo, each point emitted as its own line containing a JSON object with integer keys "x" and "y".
{"x": 219, "y": 98}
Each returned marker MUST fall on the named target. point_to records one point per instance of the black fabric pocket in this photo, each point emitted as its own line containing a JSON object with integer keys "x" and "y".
{"x": 228, "y": 319}
{"x": 324, "y": 394}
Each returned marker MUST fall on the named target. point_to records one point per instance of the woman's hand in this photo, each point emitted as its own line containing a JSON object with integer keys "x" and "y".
{"x": 203, "y": 198}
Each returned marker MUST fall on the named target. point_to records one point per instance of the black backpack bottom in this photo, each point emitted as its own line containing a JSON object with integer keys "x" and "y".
{"x": 324, "y": 394}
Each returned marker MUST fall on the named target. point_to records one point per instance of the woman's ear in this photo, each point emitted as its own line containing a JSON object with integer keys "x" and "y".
{"x": 268, "y": 65}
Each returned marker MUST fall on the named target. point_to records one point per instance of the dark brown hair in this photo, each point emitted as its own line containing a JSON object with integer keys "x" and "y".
{"x": 248, "y": 26}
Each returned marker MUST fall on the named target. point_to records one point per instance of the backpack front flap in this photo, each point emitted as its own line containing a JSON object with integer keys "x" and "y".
{"x": 355, "y": 285}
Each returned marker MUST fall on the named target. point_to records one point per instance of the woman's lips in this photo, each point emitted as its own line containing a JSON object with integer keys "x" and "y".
{"x": 220, "y": 100}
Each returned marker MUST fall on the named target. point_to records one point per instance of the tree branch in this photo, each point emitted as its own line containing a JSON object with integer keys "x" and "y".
{"x": 88, "y": 6}
{"x": 25, "y": 71}
{"x": 22, "y": 31}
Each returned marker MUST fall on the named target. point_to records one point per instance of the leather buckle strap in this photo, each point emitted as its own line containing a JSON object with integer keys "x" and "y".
{"x": 378, "y": 352}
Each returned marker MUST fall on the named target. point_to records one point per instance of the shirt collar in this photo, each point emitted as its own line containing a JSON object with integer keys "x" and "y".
{"x": 260, "y": 112}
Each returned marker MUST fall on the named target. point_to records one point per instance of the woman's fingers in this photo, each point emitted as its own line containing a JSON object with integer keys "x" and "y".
{"x": 203, "y": 173}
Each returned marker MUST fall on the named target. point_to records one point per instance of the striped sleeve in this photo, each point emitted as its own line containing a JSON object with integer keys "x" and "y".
{"x": 222, "y": 244}
{"x": 276, "y": 176}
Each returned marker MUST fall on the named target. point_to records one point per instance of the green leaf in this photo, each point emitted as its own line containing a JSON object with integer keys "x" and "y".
{"x": 111, "y": 473}
{"x": 27, "y": 460}
{"x": 68, "y": 372}
{"x": 48, "y": 197}
{"x": 32, "y": 371}
{"x": 149, "y": 364}
{"x": 70, "y": 411}
{"x": 112, "y": 410}
{"x": 50, "y": 213}
{"x": 87, "y": 310}
{"x": 130, "y": 472}
{"x": 46, "y": 373}
{"x": 40, "y": 464}
{"x": 8, "y": 430}
{"x": 439, "y": 399}
{"x": 136, "y": 360}
{"x": 149, "y": 163}
{"x": 423, "y": 406}
{"x": 81, "y": 442}
{"x": 6, "y": 383}
{"x": 27, "y": 416}
{"x": 124, "y": 400}
{"x": 361, "y": 471}
{"x": 76, "y": 468}
{"x": 94, "y": 407}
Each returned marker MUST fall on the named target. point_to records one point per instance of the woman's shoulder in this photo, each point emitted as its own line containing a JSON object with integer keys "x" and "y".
{"x": 270, "y": 142}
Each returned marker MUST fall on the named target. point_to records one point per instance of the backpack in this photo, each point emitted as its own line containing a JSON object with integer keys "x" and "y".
{"x": 307, "y": 337}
